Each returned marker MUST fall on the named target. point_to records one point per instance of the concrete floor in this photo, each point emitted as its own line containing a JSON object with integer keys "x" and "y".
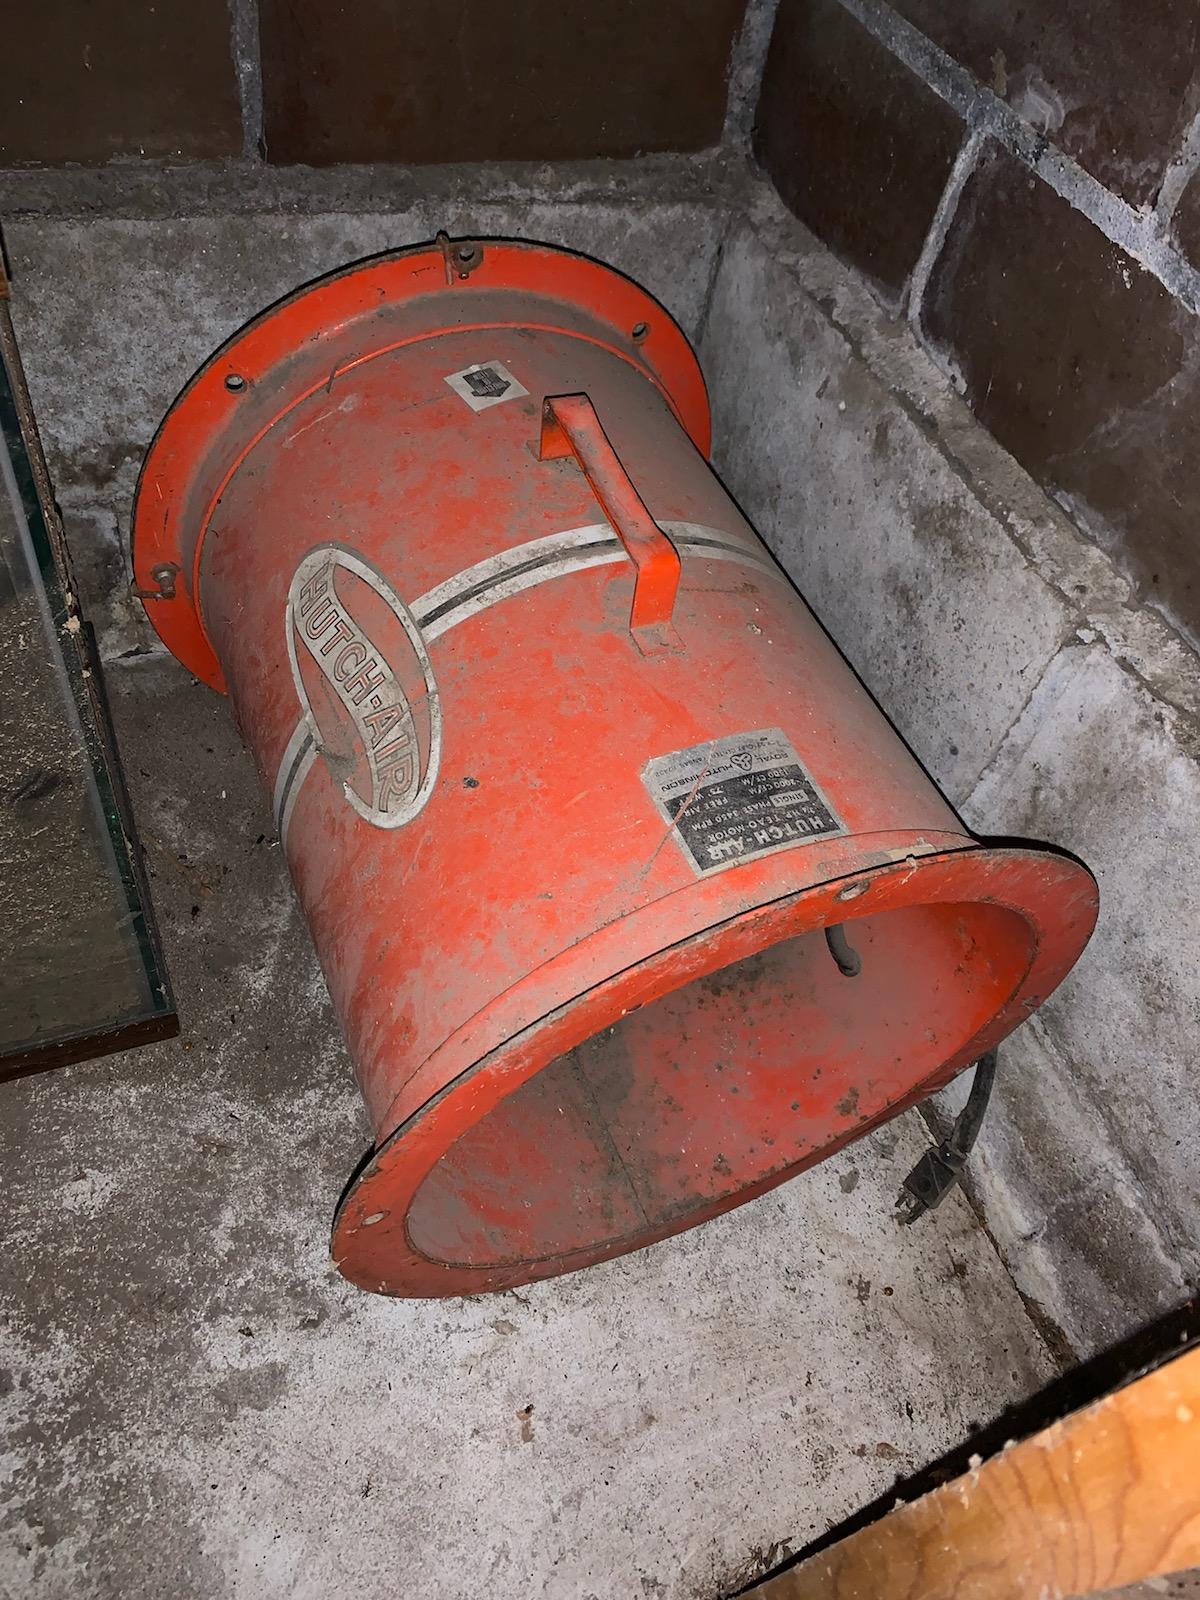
{"x": 195, "y": 1404}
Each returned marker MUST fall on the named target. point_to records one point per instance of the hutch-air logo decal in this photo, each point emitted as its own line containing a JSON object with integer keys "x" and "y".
{"x": 739, "y": 797}
{"x": 366, "y": 685}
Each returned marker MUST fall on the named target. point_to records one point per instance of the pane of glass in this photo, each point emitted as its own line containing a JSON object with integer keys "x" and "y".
{"x": 80, "y": 968}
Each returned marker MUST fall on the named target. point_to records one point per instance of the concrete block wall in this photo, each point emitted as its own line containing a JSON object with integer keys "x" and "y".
{"x": 1014, "y": 658}
{"x": 1020, "y": 183}
{"x": 300, "y": 81}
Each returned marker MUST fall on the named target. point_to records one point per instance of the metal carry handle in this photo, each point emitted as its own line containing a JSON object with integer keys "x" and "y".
{"x": 570, "y": 426}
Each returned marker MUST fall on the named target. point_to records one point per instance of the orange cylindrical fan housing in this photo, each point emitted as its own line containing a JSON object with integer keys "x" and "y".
{"x": 569, "y": 780}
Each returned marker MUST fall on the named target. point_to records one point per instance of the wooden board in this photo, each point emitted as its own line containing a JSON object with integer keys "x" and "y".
{"x": 1107, "y": 1497}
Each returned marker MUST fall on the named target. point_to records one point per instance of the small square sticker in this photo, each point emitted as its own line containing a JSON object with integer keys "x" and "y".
{"x": 487, "y": 383}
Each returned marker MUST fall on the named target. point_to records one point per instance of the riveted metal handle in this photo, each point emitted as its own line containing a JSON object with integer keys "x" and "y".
{"x": 570, "y": 426}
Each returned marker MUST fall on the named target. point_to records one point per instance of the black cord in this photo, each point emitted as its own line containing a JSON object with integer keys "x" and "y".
{"x": 849, "y": 962}
{"x": 940, "y": 1169}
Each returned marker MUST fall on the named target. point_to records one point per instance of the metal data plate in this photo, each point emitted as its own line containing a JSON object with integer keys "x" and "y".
{"x": 81, "y": 972}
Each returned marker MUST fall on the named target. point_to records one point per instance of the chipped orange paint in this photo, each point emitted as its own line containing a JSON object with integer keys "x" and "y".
{"x": 566, "y": 860}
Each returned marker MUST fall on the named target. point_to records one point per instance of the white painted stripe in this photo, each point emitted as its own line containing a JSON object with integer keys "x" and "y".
{"x": 286, "y": 762}
{"x": 504, "y": 560}
{"x": 727, "y": 552}
{"x": 523, "y": 580}
{"x": 494, "y": 567}
{"x": 302, "y": 770}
